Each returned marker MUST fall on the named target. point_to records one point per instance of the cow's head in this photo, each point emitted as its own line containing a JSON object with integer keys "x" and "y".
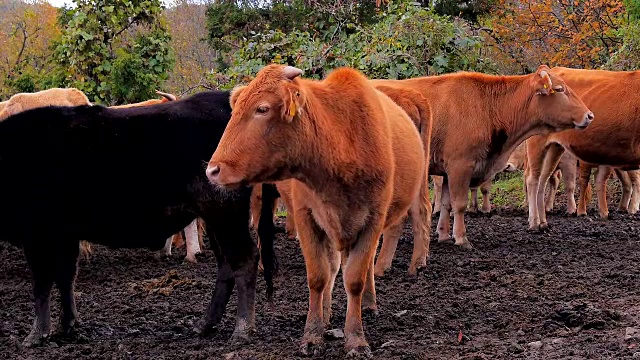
{"x": 260, "y": 141}
{"x": 556, "y": 104}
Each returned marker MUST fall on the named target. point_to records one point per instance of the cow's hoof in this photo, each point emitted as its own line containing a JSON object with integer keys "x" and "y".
{"x": 190, "y": 259}
{"x": 444, "y": 238}
{"x": 202, "y": 327}
{"x": 312, "y": 345}
{"x": 379, "y": 270}
{"x": 370, "y": 310}
{"x": 464, "y": 243}
{"x": 570, "y": 214}
{"x": 419, "y": 266}
{"x": 241, "y": 337}
{"x": 360, "y": 352}
{"x": 34, "y": 340}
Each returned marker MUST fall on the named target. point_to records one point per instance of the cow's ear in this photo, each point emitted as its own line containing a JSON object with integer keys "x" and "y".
{"x": 235, "y": 93}
{"x": 292, "y": 102}
{"x": 544, "y": 86}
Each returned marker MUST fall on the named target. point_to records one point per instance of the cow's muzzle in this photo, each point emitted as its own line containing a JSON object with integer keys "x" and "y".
{"x": 588, "y": 118}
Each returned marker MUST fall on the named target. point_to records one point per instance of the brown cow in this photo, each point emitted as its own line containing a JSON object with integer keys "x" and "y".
{"x": 630, "y": 180}
{"x": 358, "y": 165}
{"x": 612, "y": 140}
{"x": 419, "y": 110}
{"x": 478, "y": 120}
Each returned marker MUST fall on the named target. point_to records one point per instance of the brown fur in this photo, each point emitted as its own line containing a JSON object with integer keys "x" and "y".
{"x": 55, "y": 96}
{"x": 357, "y": 163}
{"x": 419, "y": 110}
{"x": 478, "y": 120}
{"x": 611, "y": 140}
{"x": 165, "y": 98}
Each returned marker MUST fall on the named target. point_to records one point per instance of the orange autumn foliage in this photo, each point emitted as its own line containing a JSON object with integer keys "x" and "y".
{"x": 574, "y": 33}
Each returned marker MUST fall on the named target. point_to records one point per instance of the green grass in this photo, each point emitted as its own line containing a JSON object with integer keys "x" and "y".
{"x": 508, "y": 190}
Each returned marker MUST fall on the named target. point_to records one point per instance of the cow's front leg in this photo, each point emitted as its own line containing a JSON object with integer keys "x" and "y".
{"x": 355, "y": 274}
{"x": 320, "y": 265}
{"x": 42, "y": 268}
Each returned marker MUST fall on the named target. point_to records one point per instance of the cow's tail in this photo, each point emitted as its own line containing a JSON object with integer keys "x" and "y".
{"x": 267, "y": 232}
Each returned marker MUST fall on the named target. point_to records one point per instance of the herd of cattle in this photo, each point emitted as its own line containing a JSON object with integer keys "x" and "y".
{"x": 349, "y": 157}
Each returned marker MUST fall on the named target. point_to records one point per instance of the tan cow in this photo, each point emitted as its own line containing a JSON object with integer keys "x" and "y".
{"x": 55, "y": 96}
{"x": 165, "y": 98}
{"x": 478, "y": 120}
{"x": 358, "y": 165}
{"x": 611, "y": 140}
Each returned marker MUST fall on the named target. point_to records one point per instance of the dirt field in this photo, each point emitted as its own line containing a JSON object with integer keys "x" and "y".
{"x": 570, "y": 294}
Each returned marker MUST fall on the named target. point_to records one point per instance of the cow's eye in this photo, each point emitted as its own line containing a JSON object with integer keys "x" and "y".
{"x": 262, "y": 109}
{"x": 558, "y": 89}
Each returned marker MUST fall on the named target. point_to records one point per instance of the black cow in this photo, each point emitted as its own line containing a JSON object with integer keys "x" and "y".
{"x": 123, "y": 178}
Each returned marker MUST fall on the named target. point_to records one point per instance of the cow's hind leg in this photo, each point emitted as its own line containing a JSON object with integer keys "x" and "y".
{"x": 627, "y": 190}
{"x": 390, "y": 239}
{"x": 65, "y": 275}
{"x": 549, "y": 165}
{"x": 634, "y": 205}
{"x": 444, "y": 222}
{"x": 485, "y": 189}
{"x": 192, "y": 241}
{"x": 602, "y": 176}
{"x": 42, "y": 268}
{"x": 458, "y": 184}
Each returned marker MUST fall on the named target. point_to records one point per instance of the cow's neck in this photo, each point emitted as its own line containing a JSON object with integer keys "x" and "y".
{"x": 512, "y": 126}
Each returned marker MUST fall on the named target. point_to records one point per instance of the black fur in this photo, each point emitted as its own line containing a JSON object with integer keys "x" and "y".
{"x": 124, "y": 178}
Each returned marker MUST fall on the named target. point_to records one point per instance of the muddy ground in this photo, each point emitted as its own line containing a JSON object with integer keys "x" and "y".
{"x": 570, "y": 294}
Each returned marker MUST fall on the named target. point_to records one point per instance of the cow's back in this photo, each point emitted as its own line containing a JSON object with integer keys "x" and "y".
{"x": 99, "y": 174}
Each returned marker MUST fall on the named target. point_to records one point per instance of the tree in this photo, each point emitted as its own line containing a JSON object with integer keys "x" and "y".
{"x": 116, "y": 51}
{"x": 406, "y": 41}
{"x": 26, "y": 32}
{"x": 186, "y": 19}
{"x": 558, "y": 32}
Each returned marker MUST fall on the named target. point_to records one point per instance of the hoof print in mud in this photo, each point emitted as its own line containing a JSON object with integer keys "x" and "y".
{"x": 361, "y": 352}
{"x": 312, "y": 349}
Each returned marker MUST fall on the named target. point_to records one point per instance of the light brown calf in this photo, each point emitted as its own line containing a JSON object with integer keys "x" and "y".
{"x": 55, "y": 96}
{"x": 357, "y": 163}
{"x": 478, "y": 120}
{"x": 612, "y": 140}
{"x": 165, "y": 98}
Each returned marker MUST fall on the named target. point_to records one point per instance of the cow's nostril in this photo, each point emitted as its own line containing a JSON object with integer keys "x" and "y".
{"x": 590, "y": 115}
{"x": 213, "y": 171}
